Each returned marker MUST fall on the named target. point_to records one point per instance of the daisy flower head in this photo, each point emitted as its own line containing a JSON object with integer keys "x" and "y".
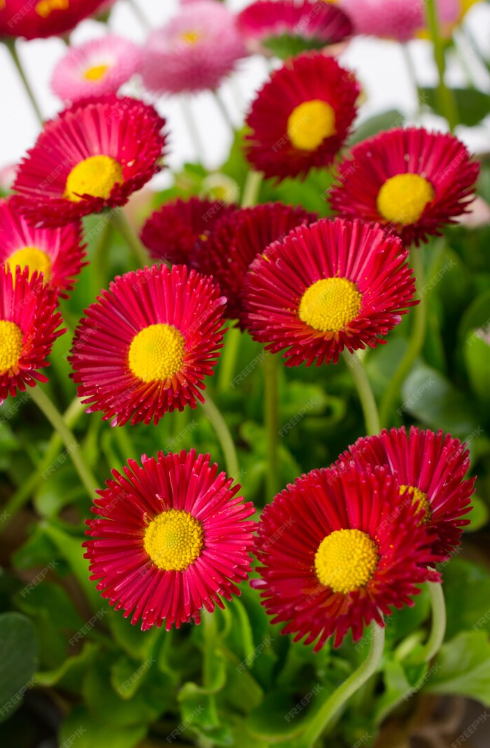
{"x": 338, "y": 550}
{"x": 29, "y": 326}
{"x": 194, "y": 51}
{"x": 332, "y": 285}
{"x": 228, "y": 250}
{"x": 173, "y": 230}
{"x": 171, "y": 538}
{"x": 413, "y": 181}
{"x": 430, "y": 469}
{"x": 44, "y": 18}
{"x": 146, "y": 344}
{"x": 56, "y": 253}
{"x": 96, "y": 68}
{"x": 396, "y": 19}
{"x": 285, "y": 28}
{"x": 301, "y": 117}
{"x": 93, "y": 156}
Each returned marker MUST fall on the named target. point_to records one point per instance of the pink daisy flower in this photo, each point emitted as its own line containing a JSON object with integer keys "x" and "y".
{"x": 396, "y": 19}
{"x": 337, "y": 551}
{"x": 28, "y": 329}
{"x": 93, "y": 156}
{"x": 328, "y": 286}
{"x": 56, "y": 253}
{"x": 288, "y": 27}
{"x": 172, "y": 538}
{"x": 194, "y": 52}
{"x": 98, "y": 67}
{"x": 43, "y": 18}
{"x": 145, "y": 346}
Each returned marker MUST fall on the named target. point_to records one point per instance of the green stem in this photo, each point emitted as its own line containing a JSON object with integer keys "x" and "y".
{"x": 100, "y": 256}
{"x": 192, "y": 128}
{"x": 271, "y": 417}
{"x": 252, "y": 188}
{"x": 415, "y": 345}
{"x": 28, "y": 487}
{"x": 10, "y": 44}
{"x": 220, "y": 102}
{"x": 447, "y": 102}
{"x": 438, "y": 629}
{"x": 121, "y": 224}
{"x": 412, "y": 74}
{"x": 224, "y": 437}
{"x": 72, "y": 446}
{"x": 228, "y": 360}
{"x": 337, "y": 700}
{"x": 366, "y": 397}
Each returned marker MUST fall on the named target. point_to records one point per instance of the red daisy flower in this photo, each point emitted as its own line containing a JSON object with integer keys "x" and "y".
{"x": 43, "y": 18}
{"x": 329, "y": 286}
{"x": 147, "y": 343}
{"x": 430, "y": 469}
{"x": 301, "y": 117}
{"x": 28, "y": 329}
{"x": 173, "y": 230}
{"x": 413, "y": 181}
{"x": 287, "y": 27}
{"x": 56, "y": 253}
{"x": 338, "y": 549}
{"x": 172, "y": 538}
{"x": 93, "y": 156}
{"x": 227, "y": 252}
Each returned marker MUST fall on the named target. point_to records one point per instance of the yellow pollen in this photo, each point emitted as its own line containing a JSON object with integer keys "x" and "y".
{"x": 96, "y": 73}
{"x": 403, "y": 199}
{"x": 173, "y": 540}
{"x": 310, "y": 123}
{"x": 95, "y": 176}
{"x": 419, "y": 499}
{"x": 346, "y": 560}
{"x": 31, "y": 257}
{"x": 330, "y": 304}
{"x": 45, "y": 7}
{"x": 190, "y": 37}
{"x": 157, "y": 353}
{"x": 11, "y": 342}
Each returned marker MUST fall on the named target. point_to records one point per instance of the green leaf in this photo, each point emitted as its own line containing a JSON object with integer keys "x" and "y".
{"x": 283, "y": 715}
{"x": 477, "y": 357}
{"x": 18, "y": 655}
{"x": 463, "y": 668}
{"x": 476, "y": 315}
{"x": 401, "y": 683}
{"x": 378, "y": 123}
{"x": 134, "y": 642}
{"x": 82, "y": 730}
{"x": 467, "y": 593}
{"x": 432, "y": 399}
{"x": 472, "y": 105}
{"x": 479, "y": 515}
{"x": 69, "y": 676}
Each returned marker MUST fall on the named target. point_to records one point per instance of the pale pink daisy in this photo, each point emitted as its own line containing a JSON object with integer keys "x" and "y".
{"x": 194, "y": 51}
{"x": 96, "y": 68}
{"x": 396, "y": 19}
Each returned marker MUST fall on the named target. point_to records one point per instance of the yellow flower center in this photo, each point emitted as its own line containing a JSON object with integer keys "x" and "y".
{"x": 96, "y": 73}
{"x": 157, "y": 353}
{"x": 173, "y": 540}
{"x": 11, "y": 342}
{"x": 31, "y": 257}
{"x": 419, "y": 499}
{"x": 310, "y": 123}
{"x": 95, "y": 176}
{"x": 346, "y": 560}
{"x": 45, "y": 7}
{"x": 190, "y": 37}
{"x": 330, "y": 304}
{"x": 403, "y": 199}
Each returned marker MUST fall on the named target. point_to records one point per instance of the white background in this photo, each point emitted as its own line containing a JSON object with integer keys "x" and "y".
{"x": 379, "y": 65}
